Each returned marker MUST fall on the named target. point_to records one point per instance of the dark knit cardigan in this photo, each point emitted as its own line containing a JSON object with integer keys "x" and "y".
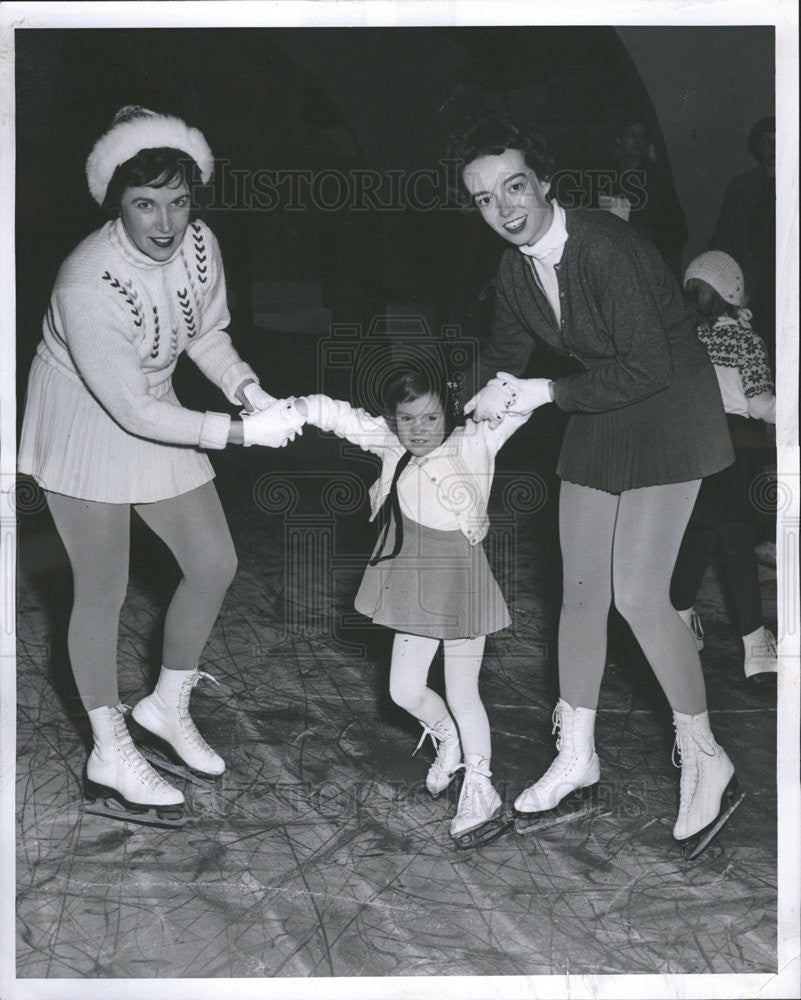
{"x": 623, "y": 317}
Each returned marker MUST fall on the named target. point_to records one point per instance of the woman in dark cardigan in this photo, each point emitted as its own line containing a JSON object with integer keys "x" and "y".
{"x": 646, "y": 425}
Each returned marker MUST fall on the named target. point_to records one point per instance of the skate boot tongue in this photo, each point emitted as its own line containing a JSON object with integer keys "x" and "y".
{"x": 445, "y": 737}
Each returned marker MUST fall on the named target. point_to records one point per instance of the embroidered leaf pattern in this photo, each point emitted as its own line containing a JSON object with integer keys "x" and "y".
{"x": 157, "y": 335}
{"x": 131, "y": 296}
{"x": 200, "y": 253}
{"x": 186, "y": 309}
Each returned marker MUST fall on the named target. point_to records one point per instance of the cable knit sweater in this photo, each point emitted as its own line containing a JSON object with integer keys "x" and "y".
{"x": 118, "y": 320}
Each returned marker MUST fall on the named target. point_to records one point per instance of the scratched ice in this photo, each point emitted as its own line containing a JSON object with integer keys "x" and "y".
{"x": 321, "y": 854}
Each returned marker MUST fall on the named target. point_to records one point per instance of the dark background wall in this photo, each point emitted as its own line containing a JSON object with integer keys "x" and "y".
{"x": 366, "y": 99}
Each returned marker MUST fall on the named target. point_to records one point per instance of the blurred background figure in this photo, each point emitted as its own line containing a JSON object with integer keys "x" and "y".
{"x": 639, "y": 189}
{"x": 714, "y": 283}
{"x": 746, "y": 229}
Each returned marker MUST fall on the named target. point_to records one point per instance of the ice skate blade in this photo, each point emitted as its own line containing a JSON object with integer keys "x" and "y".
{"x": 161, "y": 755}
{"x": 580, "y": 804}
{"x": 149, "y": 817}
{"x": 483, "y": 834}
{"x": 163, "y": 763}
{"x": 698, "y": 842}
{"x": 101, "y": 802}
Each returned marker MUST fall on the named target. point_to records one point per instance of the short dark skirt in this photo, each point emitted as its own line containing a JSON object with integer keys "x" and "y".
{"x": 439, "y": 585}
{"x": 676, "y": 435}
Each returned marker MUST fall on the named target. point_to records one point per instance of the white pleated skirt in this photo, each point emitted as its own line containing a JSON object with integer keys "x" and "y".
{"x": 69, "y": 444}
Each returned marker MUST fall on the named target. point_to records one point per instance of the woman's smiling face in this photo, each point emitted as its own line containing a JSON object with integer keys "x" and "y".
{"x": 510, "y": 196}
{"x": 421, "y": 424}
{"x": 155, "y": 218}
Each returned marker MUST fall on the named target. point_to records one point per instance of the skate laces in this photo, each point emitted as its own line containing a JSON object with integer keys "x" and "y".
{"x": 427, "y": 731}
{"x": 191, "y": 733}
{"x": 697, "y": 627}
{"x": 192, "y": 680}
{"x": 472, "y": 788}
{"x": 130, "y": 754}
{"x": 769, "y": 647}
{"x": 687, "y": 733}
{"x": 440, "y": 742}
{"x": 556, "y": 719}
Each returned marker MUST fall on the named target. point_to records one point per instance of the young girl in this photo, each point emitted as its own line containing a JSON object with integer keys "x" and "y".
{"x": 714, "y": 283}
{"x": 428, "y": 578}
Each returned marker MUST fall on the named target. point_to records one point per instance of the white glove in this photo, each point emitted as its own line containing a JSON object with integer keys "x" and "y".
{"x": 527, "y": 394}
{"x": 490, "y": 403}
{"x": 273, "y": 427}
{"x": 255, "y": 398}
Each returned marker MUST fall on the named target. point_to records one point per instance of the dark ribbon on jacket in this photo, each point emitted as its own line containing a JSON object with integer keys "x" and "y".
{"x": 390, "y": 511}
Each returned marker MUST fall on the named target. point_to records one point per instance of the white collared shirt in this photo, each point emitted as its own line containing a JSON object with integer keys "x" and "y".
{"x": 546, "y": 253}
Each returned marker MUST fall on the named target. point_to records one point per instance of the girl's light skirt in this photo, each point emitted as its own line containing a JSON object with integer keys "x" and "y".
{"x": 439, "y": 585}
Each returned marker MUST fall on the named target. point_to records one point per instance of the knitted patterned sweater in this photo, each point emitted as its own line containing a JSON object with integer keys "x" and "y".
{"x": 741, "y": 365}
{"x": 118, "y": 320}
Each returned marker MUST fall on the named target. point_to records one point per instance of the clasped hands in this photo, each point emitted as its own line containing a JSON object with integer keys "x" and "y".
{"x": 276, "y": 423}
{"x": 507, "y": 394}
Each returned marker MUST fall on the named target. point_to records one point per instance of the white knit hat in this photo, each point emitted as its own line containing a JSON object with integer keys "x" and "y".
{"x": 720, "y": 271}
{"x": 135, "y": 128}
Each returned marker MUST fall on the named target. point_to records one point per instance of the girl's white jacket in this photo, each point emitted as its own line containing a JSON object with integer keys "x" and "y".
{"x": 448, "y": 489}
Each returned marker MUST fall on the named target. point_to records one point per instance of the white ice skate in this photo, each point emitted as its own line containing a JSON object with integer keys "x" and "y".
{"x": 119, "y": 781}
{"x": 478, "y": 818}
{"x": 445, "y": 737}
{"x": 761, "y": 656}
{"x": 708, "y": 791}
{"x": 179, "y": 748}
{"x": 575, "y": 770}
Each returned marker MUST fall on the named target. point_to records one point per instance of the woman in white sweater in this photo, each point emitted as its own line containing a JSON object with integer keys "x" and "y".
{"x": 104, "y": 431}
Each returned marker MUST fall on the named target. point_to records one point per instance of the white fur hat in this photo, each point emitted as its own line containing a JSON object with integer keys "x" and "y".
{"x": 135, "y": 128}
{"x": 720, "y": 271}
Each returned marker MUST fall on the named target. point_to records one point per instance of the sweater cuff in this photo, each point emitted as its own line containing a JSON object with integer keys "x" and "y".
{"x": 318, "y": 410}
{"x": 233, "y": 377}
{"x": 214, "y": 430}
{"x": 557, "y": 395}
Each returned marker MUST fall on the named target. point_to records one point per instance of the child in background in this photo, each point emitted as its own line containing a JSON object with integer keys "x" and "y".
{"x": 428, "y": 578}
{"x": 714, "y": 283}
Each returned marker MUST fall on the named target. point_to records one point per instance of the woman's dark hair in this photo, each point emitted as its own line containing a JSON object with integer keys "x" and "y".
{"x": 491, "y": 135}
{"x": 709, "y": 303}
{"x": 755, "y": 136}
{"x": 152, "y": 168}
{"x": 408, "y": 386}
